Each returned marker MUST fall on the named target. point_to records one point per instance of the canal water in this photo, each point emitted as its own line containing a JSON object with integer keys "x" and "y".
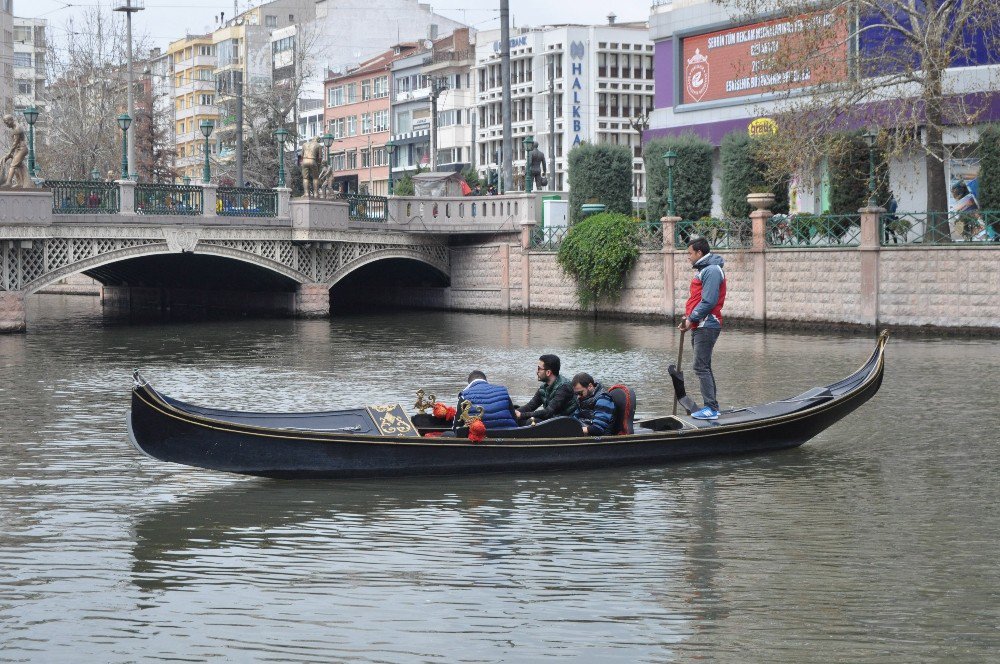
{"x": 876, "y": 542}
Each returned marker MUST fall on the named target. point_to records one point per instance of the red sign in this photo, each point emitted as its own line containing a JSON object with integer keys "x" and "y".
{"x": 756, "y": 58}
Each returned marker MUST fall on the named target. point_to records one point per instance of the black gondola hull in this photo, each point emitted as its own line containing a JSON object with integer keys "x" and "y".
{"x": 164, "y": 432}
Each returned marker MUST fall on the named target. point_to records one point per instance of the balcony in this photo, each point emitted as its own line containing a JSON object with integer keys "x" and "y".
{"x": 445, "y": 59}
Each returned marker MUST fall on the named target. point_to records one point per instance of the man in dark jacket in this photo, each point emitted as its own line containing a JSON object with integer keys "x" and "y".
{"x": 554, "y": 398}
{"x": 703, "y": 316}
{"x": 597, "y": 408}
{"x": 498, "y": 409}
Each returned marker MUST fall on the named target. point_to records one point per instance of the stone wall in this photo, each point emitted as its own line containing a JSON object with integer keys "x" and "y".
{"x": 813, "y": 285}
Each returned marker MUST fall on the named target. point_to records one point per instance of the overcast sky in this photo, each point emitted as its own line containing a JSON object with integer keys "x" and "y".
{"x": 166, "y": 20}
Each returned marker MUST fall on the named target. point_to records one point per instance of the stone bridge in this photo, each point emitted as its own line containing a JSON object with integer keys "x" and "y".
{"x": 300, "y": 252}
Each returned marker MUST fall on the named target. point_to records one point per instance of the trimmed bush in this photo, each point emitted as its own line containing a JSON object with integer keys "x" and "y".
{"x": 692, "y": 177}
{"x": 743, "y": 172}
{"x": 600, "y": 174}
{"x": 989, "y": 168}
{"x": 598, "y": 252}
{"x": 848, "y": 168}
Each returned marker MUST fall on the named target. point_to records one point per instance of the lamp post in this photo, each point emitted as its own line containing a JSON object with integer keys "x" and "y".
{"x": 124, "y": 121}
{"x": 95, "y": 174}
{"x": 281, "y": 133}
{"x": 327, "y": 140}
{"x": 31, "y": 114}
{"x": 390, "y": 148}
{"x": 871, "y": 137}
{"x": 670, "y": 159}
{"x": 206, "y": 130}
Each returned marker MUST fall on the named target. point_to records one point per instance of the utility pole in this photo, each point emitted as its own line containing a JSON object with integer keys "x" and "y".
{"x": 239, "y": 131}
{"x": 552, "y": 123}
{"x": 508, "y": 139}
{"x": 129, "y": 8}
{"x": 438, "y": 85}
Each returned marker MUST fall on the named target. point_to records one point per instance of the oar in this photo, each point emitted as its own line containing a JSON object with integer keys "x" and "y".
{"x": 680, "y": 356}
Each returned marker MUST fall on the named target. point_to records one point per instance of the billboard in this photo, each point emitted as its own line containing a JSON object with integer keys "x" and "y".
{"x": 737, "y": 62}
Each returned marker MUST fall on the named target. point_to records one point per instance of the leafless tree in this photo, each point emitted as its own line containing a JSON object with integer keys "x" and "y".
{"x": 895, "y": 66}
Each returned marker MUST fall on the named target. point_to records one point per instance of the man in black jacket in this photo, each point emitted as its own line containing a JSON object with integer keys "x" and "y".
{"x": 554, "y": 398}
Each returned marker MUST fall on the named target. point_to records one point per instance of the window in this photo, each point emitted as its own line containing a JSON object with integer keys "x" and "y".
{"x": 379, "y": 157}
{"x": 352, "y": 159}
{"x": 366, "y": 123}
{"x": 22, "y": 34}
{"x": 24, "y": 87}
{"x": 352, "y": 93}
{"x": 206, "y": 50}
{"x": 335, "y": 96}
{"x": 403, "y": 122}
{"x": 270, "y": 21}
{"x": 352, "y": 125}
{"x": 206, "y": 100}
{"x": 382, "y": 120}
{"x": 22, "y": 59}
{"x": 381, "y": 87}
{"x": 366, "y": 90}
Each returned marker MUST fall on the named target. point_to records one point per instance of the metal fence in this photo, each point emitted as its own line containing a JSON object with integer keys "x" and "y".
{"x": 362, "y": 207}
{"x": 83, "y": 197}
{"x": 246, "y": 202}
{"x": 803, "y": 231}
{"x": 168, "y": 199}
{"x": 548, "y": 239}
{"x": 720, "y": 233}
{"x": 939, "y": 228}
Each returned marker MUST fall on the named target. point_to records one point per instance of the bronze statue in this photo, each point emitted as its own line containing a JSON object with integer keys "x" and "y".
{"x": 312, "y": 159}
{"x": 18, "y": 151}
{"x": 536, "y": 161}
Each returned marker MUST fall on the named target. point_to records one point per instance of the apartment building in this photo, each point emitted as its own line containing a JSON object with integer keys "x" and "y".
{"x": 357, "y": 115}
{"x": 193, "y": 63}
{"x": 411, "y": 111}
{"x": 6, "y": 56}
{"x": 601, "y": 78}
{"x": 29, "y": 49}
{"x": 448, "y": 68}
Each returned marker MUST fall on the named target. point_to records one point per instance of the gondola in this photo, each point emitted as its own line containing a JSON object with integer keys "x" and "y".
{"x": 384, "y": 441}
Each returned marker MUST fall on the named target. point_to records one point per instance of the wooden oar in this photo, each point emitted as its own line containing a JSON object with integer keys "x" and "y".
{"x": 680, "y": 356}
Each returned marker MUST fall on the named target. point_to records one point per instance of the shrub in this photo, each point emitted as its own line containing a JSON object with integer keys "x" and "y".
{"x": 744, "y": 172}
{"x": 692, "y": 177}
{"x": 848, "y": 167}
{"x": 989, "y": 168}
{"x": 600, "y": 174}
{"x": 598, "y": 252}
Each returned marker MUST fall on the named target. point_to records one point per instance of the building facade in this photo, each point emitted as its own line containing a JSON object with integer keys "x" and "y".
{"x": 448, "y": 68}
{"x": 29, "y": 63}
{"x": 193, "y": 63}
{"x": 411, "y": 111}
{"x": 600, "y": 79}
{"x": 706, "y": 58}
{"x": 6, "y": 56}
{"x": 357, "y": 116}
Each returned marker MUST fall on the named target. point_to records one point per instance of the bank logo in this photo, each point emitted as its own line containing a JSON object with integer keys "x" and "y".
{"x": 696, "y": 75}
{"x": 577, "y": 50}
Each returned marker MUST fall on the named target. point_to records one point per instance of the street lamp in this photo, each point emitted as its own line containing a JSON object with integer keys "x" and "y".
{"x": 871, "y": 137}
{"x": 206, "y": 130}
{"x": 95, "y": 174}
{"x": 670, "y": 159}
{"x": 124, "y": 121}
{"x": 281, "y": 133}
{"x": 390, "y": 148}
{"x": 31, "y": 114}
{"x": 327, "y": 140}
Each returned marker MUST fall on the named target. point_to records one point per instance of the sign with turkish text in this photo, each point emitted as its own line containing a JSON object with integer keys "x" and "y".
{"x": 753, "y": 59}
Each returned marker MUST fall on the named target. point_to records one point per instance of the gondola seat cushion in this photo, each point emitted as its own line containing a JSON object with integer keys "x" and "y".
{"x": 624, "y": 420}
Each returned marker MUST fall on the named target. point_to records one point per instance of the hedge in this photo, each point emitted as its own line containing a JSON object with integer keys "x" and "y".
{"x": 743, "y": 172}
{"x": 692, "y": 177}
{"x": 598, "y": 252}
{"x": 989, "y": 168}
{"x": 602, "y": 174}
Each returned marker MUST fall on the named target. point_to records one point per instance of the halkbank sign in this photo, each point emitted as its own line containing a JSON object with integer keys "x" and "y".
{"x": 577, "y": 56}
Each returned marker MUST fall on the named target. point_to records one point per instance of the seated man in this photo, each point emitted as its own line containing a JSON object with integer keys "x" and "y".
{"x": 597, "y": 408}
{"x": 498, "y": 409}
{"x": 554, "y": 398}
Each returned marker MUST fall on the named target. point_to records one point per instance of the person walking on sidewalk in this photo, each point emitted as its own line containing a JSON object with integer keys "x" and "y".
{"x": 703, "y": 316}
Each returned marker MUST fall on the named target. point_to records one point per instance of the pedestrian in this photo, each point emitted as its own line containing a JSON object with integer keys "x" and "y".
{"x": 703, "y": 316}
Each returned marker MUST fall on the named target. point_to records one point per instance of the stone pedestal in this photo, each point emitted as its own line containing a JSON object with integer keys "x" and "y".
{"x": 12, "y": 318}
{"x": 669, "y": 263}
{"x": 209, "y": 197}
{"x": 25, "y": 207}
{"x": 312, "y": 301}
{"x": 758, "y": 219}
{"x": 126, "y": 189}
{"x": 284, "y": 202}
{"x": 870, "y": 247}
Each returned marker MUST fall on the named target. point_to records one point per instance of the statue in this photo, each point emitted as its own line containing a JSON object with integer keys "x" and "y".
{"x": 536, "y": 162}
{"x": 18, "y": 151}
{"x": 312, "y": 159}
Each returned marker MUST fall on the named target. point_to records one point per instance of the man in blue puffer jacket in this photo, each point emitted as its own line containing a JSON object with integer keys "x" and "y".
{"x": 498, "y": 409}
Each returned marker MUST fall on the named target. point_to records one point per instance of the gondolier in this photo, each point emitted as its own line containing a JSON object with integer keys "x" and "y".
{"x": 703, "y": 316}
